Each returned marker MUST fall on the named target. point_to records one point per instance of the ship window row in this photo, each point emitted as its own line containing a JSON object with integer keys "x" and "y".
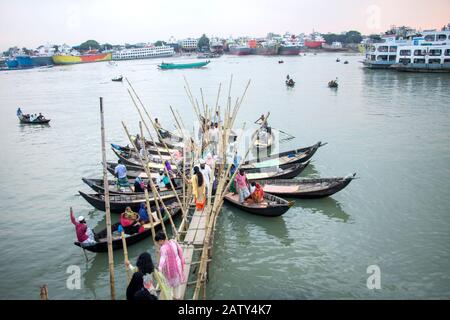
{"x": 439, "y": 37}
{"x": 423, "y": 61}
{"x": 424, "y": 52}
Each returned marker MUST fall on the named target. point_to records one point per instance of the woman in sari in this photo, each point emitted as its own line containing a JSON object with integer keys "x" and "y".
{"x": 171, "y": 263}
{"x": 199, "y": 189}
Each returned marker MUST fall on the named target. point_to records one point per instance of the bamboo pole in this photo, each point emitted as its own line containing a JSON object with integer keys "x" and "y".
{"x": 147, "y": 171}
{"x": 44, "y": 292}
{"x": 125, "y": 256}
{"x": 170, "y": 180}
{"x": 107, "y": 208}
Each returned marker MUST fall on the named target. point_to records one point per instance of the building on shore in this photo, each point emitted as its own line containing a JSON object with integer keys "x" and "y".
{"x": 189, "y": 44}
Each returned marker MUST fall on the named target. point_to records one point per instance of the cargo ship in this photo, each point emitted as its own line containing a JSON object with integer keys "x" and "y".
{"x": 72, "y": 59}
{"x": 40, "y": 61}
{"x": 239, "y": 50}
{"x": 290, "y": 45}
{"x": 314, "y": 41}
{"x": 266, "y": 48}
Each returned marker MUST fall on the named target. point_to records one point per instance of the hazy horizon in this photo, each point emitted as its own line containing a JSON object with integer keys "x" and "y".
{"x": 30, "y": 24}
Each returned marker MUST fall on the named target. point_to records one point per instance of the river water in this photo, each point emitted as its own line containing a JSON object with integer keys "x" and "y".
{"x": 392, "y": 129}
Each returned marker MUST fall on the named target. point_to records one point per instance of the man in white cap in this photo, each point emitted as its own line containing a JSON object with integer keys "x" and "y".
{"x": 84, "y": 233}
{"x": 206, "y": 171}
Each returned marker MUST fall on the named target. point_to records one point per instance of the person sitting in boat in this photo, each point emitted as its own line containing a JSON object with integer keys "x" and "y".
{"x": 242, "y": 186}
{"x": 19, "y": 112}
{"x": 257, "y": 192}
{"x": 85, "y": 235}
{"x": 143, "y": 213}
{"x": 139, "y": 185}
{"x": 40, "y": 117}
{"x": 166, "y": 181}
{"x": 159, "y": 180}
{"x": 121, "y": 173}
{"x": 130, "y": 221}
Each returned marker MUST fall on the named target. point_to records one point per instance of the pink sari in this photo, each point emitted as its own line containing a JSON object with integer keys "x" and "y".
{"x": 171, "y": 263}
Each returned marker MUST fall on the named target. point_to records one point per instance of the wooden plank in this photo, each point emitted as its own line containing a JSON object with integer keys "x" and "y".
{"x": 193, "y": 226}
{"x": 188, "y": 252}
{"x": 201, "y": 231}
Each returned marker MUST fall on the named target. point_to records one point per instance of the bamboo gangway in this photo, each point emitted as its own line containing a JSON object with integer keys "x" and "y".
{"x": 202, "y": 233}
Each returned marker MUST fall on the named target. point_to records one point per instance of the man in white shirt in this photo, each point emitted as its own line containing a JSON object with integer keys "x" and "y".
{"x": 214, "y": 137}
{"x": 121, "y": 173}
{"x": 206, "y": 171}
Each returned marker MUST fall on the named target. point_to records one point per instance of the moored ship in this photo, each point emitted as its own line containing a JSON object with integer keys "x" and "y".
{"x": 40, "y": 61}
{"x": 290, "y": 45}
{"x": 73, "y": 59}
{"x": 314, "y": 41}
{"x": 266, "y": 48}
{"x": 239, "y": 49}
{"x": 429, "y": 53}
{"x": 144, "y": 53}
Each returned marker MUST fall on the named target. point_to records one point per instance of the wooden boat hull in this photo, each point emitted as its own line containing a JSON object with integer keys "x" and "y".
{"x": 289, "y": 171}
{"x": 150, "y": 149}
{"x": 118, "y": 203}
{"x": 306, "y": 188}
{"x": 287, "y": 157}
{"x": 132, "y": 171}
{"x": 169, "y": 66}
{"x": 46, "y": 121}
{"x": 153, "y": 165}
{"x": 130, "y": 240}
{"x": 275, "y": 206}
{"x": 97, "y": 186}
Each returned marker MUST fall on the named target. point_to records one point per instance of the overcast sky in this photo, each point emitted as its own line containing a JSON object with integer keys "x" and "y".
{"x": 31, "y": 23}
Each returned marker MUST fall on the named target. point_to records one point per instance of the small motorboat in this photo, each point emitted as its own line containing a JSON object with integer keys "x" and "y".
{"x": 345, "y": 62}
{"x": 117, "y": 79}
{"x": 338, "y": 60}
{"x": 280, "y": 61}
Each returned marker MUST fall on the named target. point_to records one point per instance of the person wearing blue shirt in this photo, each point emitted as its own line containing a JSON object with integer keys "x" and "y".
{"x": 121, "y": 172}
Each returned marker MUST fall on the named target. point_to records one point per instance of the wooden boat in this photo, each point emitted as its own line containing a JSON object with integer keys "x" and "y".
{"x": 345, "y": 62}
{"x": 287, "y": 171}
{"x": 132, "y": 171}
{"x": 119, "y": 202}
{"x": 272, "y": 206}
{"x": 25, "y": 119}
{"x": 306, "y": 188}
{"x": 333, "y": 84}
{"x": 154, "y": 165}
{"x": 167, "y": 66}
{"x": 118, "y": 79}
{"x": 150, "y": 149}
{"x": 102, "y": 244}
{"x": 97, "y": 186}
{"x": 291, "y": 156}
{"x": 290, "y": 83}
{"x": 264, "y": 140}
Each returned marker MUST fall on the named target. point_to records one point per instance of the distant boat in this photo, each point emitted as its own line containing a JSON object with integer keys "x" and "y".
{"x": 118, "y": 79}
{"x": 166, "y": 66}
{"x": 26, "y": 118}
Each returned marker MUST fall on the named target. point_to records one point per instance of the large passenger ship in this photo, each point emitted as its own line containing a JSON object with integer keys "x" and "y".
{"x": 429, "y": 53}
{"x": 144, "y": 53}
{"x": 415, "y": 49}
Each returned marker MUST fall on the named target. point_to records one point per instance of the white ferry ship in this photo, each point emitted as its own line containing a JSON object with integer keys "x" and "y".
{"x": 143, "y": 53}
{"x": 429, "y": 53}
{"x": 403, "y": 53}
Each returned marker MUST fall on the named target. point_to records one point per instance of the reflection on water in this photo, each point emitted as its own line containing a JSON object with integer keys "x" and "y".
{"x": 326, "y": 206}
